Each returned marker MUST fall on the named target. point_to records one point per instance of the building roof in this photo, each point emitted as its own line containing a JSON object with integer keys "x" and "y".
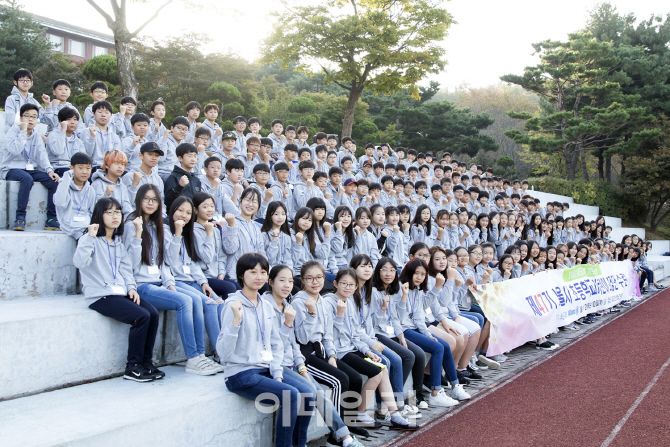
{"x": 76, "y": 30}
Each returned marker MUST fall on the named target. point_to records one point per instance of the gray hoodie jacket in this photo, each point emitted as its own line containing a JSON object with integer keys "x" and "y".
{"x": 240, "y": 346}
{"x": 100, "y": 183}
{"x": 21, "y": 149}
{"x": 292, "y": 355}
{"x": 177, "y": 258}
{"x": 74, "y": 206}
{"x": 317, "y": 328}
{"x": 61, "y": 148}
{"x": 103, "y": 266}
{"x": 13, "y": 105}
{"x": 140, "y": 270}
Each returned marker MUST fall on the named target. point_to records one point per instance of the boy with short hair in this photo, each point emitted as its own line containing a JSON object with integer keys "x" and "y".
{"x": 192, "y": 114}
{"x": 303, "y": 136}
{"x": 62, "y": 142}
{"x": 283, "y": 190}
{"x": 20, "y": 95}
{"x": 61, "y": 92}
{"x": 365, "y": 172}
{"x": 212, "y": 113}
{"x": 149, "y": 154}
{"x": 411, "y": 159}
{"x": 378, "y": 172}
{"x": 335, "y": 175}
{"x": 347, "y": 166}
{"x": 304, "y": 189}
{"x": 349, "y": 197}
{"x": 25, "y": 160}
{"x": 228, "y": 144}
{"x": 348, "y": 150}
{"x": 99, "y": 93}
{"x": 121, "y": 120}
{"x": 251, "y": 158}
{"x": 261, "y": 174}
{"x": 157, "y": 129}
{"x": 412, "y": 173}
{"x": 321, "y": 183}
{"x": 387, "y": 196}
{"x": 278, "y": 140}
{"x": 362, "y": 189}
{"x": 254, "y": 127}
{"x": 291, "y": 160}
{"x": 369, "y": 153}
{"x": 232, "y": 183}
{"x": 106, "y": 181}
{"x": 211, "y": 183}
{"x": 100, "y": 137}
{"x": 389, "y": 169}
{"x": 400, "y": 172}
{"x": 75, "y": 198}
{"x": 240, "y": 124}
{"x": 374, "y": 191}
{"x": 182, "y": 182}
{"x": 169, "y": 143}
{"x": 321, "y": 159}
{"x": 132, "y": 143}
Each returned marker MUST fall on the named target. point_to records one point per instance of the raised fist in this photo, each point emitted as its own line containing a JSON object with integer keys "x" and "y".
{"x": 183, "y": 181}
{"x": 93, "y": 230}
{"x": 299, "y": 238}
{"x": 109, "y": 190}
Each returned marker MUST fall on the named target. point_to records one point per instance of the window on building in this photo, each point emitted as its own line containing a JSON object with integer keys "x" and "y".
{"x": 56, "y": 42}
{"x": 99, "y": 51}
{"x": 77, "y": 48}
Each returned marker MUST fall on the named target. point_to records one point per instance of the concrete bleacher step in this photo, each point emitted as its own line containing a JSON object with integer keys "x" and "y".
{"x": 614, "y": 222}
{"x": 548, "y": 197}
{"x": 617, "y": 234}
{"x": 180, "y": 410}
{"x": 36, "y": 211}
{"x": 58, "y": 341}
{"x": 659, "y": 247}
{"x": 36, "y": 263}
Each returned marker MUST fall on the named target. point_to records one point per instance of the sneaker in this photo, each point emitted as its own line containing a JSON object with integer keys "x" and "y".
{"x": 427, "y": 386}
{"x": 19, "y": 225}
{"x": 546, "y": 346}
{"x": 473, "y": 364}
{"x": 200, "y": 366}
{"x": 138, "y": 373}
{"x": 463, "y": 378}
{"x": 333, "y": 441}
{"x": 458, "y": 393}
{"x": 354, "y": 442}
{"x": 500, "y": 358}
{"x": 488, "y": 362}
{"x": 653, "y": 289}
{"x": 421, "y": 402}
{"x": 472, "y": 375}
{"x": 52, "y": 225}
{"x": 364, "y": 420}
{"x": 157, "y": 373}
{"x": 212, "y": 363}
{"x": 442, "y": 400}
{"x": 410, "y": 412}
{"x": 360, "y": 431}
{"x": 400, "y": 423}
{"x": 570, "y": 327}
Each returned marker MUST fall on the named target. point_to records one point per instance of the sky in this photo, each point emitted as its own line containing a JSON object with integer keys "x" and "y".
{"x": 491, "y": 37}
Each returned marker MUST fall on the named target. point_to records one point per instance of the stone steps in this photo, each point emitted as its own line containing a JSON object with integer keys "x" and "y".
{"x": 58, "y": 341}
{"x": 180, "y": 410}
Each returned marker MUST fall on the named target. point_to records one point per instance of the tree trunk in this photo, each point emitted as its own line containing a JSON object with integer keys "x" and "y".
{"x": 348, "y": 122}
{"x": 608, "y": 169}
{"x": 570, "y": 163}
{"x": 124, "y": 65}
{"x": 601, "y": 165}
{"x": 582, "y": 159}
{"x": 623, "y": 166}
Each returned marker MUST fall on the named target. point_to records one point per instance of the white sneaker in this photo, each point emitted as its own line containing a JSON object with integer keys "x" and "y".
{"x": 212, "y": 363}
{"x": 488, "y": 362}
{"x": 458, "y": 393}
{"x": 441, "y": 400}
{"x": 500, "y": 358}
{"x": 408, "y": 412}
{"x": 653, "y": 289}
{"x": 200, "y": 366}
{"x": 473, "y": 364}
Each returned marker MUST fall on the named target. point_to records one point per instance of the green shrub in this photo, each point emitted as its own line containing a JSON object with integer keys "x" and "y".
{"x": 612, "y": 200}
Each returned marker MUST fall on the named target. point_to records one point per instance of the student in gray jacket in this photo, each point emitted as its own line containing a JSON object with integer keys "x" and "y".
{"x": 252, "y": 352}
{"x": 20, "y": 96}
{"x": 110, "y": 289}
{"x": 75, "y": 197}
{"x": 62, "y": 142}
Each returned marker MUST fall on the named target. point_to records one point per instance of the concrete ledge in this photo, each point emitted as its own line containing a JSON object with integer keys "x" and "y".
{"x": 618, "y": 233}
{"x": 36, "y": 211}
{"x": 36, "y": 264}
{"x": 180, "y": 410}
{"x": 59, "y": 341}
{"x": 659, "y": 247}
{"x": 548, "y": 197}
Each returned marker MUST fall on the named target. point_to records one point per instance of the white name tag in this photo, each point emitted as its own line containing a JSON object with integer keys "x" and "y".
{"x": 187, "y": 270}
{"x": 29, "y": 167}
{"x": 79, "y": 219}
{"x": 118, "y": 290}
{"x": 153, "y": 269}
{"x": 389, "y": 330}
{"x": 266, "y": 355}
{"x": 428, "y": 311}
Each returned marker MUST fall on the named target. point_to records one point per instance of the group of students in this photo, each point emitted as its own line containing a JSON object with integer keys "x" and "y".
{"x": 303, "y": 264}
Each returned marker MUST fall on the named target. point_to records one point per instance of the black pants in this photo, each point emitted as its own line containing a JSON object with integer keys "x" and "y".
{"x": 643, "y": 278}
{"x": 413, "y": 359}
{"x": 143, "y": 321}
{"x": 340, "y": 379}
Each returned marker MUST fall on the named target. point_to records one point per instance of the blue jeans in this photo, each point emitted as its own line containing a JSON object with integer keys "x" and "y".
{"x": 393, "y": 363}
{"x": 190, "y": 321}
{"x": 211, "y": 311}
{"x": 440, "y": 353}
{"x": 291, "y": 427}
{"x": 26, "y": 181}
{"x": 650, "y": 275}
{"x": 474, "y": 316}
{"x": 325, "y": 406}
{"x": 222, "y": 287}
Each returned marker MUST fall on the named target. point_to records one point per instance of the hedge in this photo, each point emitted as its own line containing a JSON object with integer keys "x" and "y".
{"x": 612, "y": 200}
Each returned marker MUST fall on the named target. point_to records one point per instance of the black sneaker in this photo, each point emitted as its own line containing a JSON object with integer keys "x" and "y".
{"x": 421, "y": 402}
{"x": 331, "y": 440}
{"x": 426, "y": 383}
{"x": 157, "y": 373}
{"x": 52, "y": 225}
{"x": 138, "y": 373}
{"x": 359, "y": 431}
{"x": 462, "y": 378}
{"x": 446, "y": 384}
{"x": 472, "y": 375}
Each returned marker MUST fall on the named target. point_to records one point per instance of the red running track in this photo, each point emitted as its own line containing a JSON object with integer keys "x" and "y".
{"x": 610, "y": 388}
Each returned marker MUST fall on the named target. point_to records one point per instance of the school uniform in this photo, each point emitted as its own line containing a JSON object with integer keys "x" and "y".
{"x": 167, "y": 162}
{"x": 97, "y": 146}
{"x": 132, "y": 151}
{"x": 152, "y": 178}
{"x": 60, "y": 149}
{"x": 251, "y": 241}
{"x": 13, "y": 105}
{"x": 154, "y": 135}
{"x": 100, "y": 183}
{"x": 50, "y": 118}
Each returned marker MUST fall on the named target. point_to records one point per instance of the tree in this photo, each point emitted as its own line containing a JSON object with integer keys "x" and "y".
{"x": 102, "y": 68}
{"x": 590, "y": 111}
{"x": 117, "y": 22}
{"x": 60, "y": 66}
{"x": 380, "y": 45}
{"x": 22, "y": 44}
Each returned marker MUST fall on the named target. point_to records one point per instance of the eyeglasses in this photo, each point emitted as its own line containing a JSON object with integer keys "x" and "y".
{"x": 25, "y": 81}
{"x": 347, "y": 285}
{"x": 181, "y": 128}
{"x": 423, "y": 255}
{"x": 112, "y": 213}
{"x": 314, "y": 279}
{"x": 30, "y": 117}
{"x": 253, "y": 145}
{"x": 388, "y": 270}
{"x": 477, "y": 253}
{"x": 150, "y": 200}
{"x": 462, "y": 256}
{"x": 249, "y": 199}
{"x": 99, "y": 91}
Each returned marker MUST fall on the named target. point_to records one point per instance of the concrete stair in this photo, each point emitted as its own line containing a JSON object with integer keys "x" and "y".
{"x": 180, "y": 410}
